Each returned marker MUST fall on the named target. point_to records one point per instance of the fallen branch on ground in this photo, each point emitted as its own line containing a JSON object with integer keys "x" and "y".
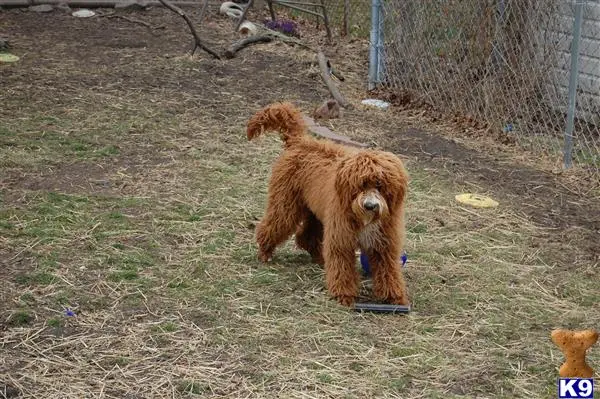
{"x": 286, "y": 38}
{"x": 267, "y": 36}
{"x": 335, "y": 92}
{"x": 197, "y": 42}
{"x": 328, "y": 134}
{"x": 237, "y": 46}
{"x": 331, "y": 69}
{"x": 132, "y": 20}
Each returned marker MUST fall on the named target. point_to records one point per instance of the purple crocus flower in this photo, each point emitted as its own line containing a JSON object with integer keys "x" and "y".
{"x": 286, "y": 27}
{"x": 273, "y": 25}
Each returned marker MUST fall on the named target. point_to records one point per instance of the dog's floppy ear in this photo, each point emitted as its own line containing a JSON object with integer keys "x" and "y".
{"x": 346, "y": 181}
{"x": 395, "y": 177}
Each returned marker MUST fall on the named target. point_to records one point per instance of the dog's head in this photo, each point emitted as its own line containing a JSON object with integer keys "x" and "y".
{"x": 372, "y": 184}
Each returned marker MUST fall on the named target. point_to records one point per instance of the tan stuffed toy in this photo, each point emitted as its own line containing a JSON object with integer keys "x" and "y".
{"x": 573, "y": 344}
{"x": 330, "y": 109}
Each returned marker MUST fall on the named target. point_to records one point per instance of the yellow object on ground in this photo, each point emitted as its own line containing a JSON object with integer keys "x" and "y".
{"x": 7, "y": 57}
{"x": 478, "y": 201}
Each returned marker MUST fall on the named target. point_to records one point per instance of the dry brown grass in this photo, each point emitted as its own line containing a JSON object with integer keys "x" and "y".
{"x": 133, "y": 204}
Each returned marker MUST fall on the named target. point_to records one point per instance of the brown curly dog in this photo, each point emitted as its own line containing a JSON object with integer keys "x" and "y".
{"x": 336, "y": 200}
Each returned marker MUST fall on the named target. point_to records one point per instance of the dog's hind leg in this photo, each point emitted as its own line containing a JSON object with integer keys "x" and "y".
{"x": 309, "y": 237}
{"x": 281, "y": 220}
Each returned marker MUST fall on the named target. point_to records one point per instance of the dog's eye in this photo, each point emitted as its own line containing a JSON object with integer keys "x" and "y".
{"x": 378, "y": 185}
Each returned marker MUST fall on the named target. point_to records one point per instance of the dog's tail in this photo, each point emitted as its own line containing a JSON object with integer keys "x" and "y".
{"x": 281, "y": 117}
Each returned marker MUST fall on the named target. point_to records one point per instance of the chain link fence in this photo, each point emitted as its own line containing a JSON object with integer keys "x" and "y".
{"x": 507, "y": 63}
{"x": 350, "y": 17}
{"x": 527, "y": 68}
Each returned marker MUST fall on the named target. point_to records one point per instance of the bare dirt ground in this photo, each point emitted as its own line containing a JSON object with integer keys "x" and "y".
{"x": 128, "y": 194}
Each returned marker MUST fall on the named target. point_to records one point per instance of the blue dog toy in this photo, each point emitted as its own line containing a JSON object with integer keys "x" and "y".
{"x": 364, "y": 261}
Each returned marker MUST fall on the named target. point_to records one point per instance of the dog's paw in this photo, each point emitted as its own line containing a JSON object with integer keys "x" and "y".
{"x": 265, "y": 257}
{"x": 391, "y": 294}
{"x": 346, "y": 300}
{"x": 402, "y": 300}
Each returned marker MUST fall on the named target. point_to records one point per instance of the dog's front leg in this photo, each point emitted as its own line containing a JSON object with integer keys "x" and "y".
{"x": 384, "y": 259}
{"x": 388, "y": 281}
{"x": 340, "y": 269}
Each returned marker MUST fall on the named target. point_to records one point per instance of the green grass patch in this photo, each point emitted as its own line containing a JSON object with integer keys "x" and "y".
{"x": 192, "y": 388}
{"x": 166, "y": 327}
{"x": 325, "y": 378}
{"x": 27, "y": 298}
{"x": 127, "y": 274}
{"x": 419, "y": 228}
{"x": 54, "y": 322}
{"x": 108, "y": 151}
{"x": 20, "y": 318}
{"x": 35, "y": 278}
{"x": 179, "y": 283}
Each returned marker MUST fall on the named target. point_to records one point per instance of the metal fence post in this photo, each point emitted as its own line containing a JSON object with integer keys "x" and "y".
{"x": 380, "y": 44}
{"x": 374, "y": 45}
{"x": 573, "y": 80}
{"x": 497, "y": 55}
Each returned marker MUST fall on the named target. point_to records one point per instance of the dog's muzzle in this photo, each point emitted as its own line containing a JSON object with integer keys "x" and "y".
{"x": 372, "y": 203}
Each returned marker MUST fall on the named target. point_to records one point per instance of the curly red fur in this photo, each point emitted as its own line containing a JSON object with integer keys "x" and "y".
{"x": 282, "y": 117}
{"x": 336, "y": 200}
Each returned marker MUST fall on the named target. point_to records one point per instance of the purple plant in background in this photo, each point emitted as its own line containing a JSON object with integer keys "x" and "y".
{"x": 272, "y": 24}
{"x": 69, "y": 312}
{"x": 288, "y": 27}
{"x": 284, "y": 26}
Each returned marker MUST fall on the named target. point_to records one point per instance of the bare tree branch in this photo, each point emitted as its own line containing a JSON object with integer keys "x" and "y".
{"x": 326, "y": 21}
{"x": 132, "y": 20}
{"x": 237, "y": 46}
{"x": 204, "y": 7}
{"x": 335, "y": 92}
{"x": 271, "y": 10}
{"x": 197, "y": 41}
{"x": 286, "y": 38}
{"x": 324, "y": 132}
{"x": 243, "y": 17}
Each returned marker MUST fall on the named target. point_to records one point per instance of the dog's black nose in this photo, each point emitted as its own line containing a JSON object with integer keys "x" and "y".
{"x": 371, "y": 206}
